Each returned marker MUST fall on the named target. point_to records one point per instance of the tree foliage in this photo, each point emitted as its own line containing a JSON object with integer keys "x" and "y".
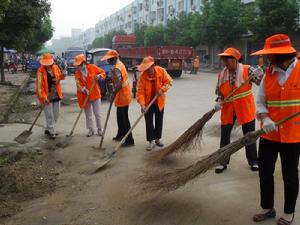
{"x": 106, "y": 40}
{"x": 139, "y": 32}
{"x": 275, "y": 16}
{"x": 25, "y": 25}
{"x": 154, "y": 36}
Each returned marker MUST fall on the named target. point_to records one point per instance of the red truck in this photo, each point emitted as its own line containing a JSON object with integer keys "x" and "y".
{"x": 169, "y": 57}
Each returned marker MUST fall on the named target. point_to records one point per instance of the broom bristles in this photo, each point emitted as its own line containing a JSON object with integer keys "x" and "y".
{"x": 188, "y": 140}
{"x": 170, "y": 180}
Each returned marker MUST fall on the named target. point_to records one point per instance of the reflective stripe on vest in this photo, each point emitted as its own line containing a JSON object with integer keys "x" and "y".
{"x": 284, "y": 103}
{"x": 240, "y": 95}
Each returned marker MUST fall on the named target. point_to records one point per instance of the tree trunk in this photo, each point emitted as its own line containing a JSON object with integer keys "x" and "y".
{"x": 2, "y": 64}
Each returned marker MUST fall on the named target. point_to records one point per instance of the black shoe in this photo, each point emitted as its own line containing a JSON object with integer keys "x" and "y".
{"x": 220, "y": 168}
{"x": 127, "y": 144}
{"x": 254, "y": 167}
{"x": 117, "y": 139}
{"x": 48, "y": 133}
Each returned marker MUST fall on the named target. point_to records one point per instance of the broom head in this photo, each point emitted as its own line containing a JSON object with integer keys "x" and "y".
{"x": 22, "y": 138}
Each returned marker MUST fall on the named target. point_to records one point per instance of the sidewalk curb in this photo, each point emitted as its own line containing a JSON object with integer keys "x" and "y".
{"x": 4, "y": 116}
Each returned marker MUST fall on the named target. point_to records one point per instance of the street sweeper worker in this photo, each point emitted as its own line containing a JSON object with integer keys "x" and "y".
{"x": 153, "y": 80}
{"x": 85, "y": 75}
{"x": 119, "y": 77}
{"x": 279, "y": 97}
{"x": 49, "y": 91}
{"x": 241, "y": 106}
{"x": 196, "y": 65}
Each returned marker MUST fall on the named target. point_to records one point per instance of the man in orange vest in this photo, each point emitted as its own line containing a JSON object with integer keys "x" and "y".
{"x": 241, "y": 106}
{"x": 49, "y": 92}
{"x": 279, "y": 97}
{"x": 196, "y": 65}
{"x": 153, "y": 80}
{"x": 123, "y": 96}
{"x": 85, "y": 75}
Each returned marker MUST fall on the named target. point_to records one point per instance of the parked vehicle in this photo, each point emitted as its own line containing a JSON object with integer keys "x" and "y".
{"x": 169, "y": 57}
{"x": 69, "y": 56}
{"x": 94, "y": 56}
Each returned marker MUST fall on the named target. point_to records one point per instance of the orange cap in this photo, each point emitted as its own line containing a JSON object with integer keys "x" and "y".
{"x": 231, "y": 52}
{"x": 146, "y": 64}
{"x": 110, "y": 54}
{"x": 79, "y": 59}
{"x": 276, "y": 44}
{"x": 46, "y": 59}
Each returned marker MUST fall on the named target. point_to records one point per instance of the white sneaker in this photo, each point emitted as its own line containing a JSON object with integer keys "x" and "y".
{"x": 90, "y": 133}
{"x": 151, "y": 146}
{"x": 99, "y": 132}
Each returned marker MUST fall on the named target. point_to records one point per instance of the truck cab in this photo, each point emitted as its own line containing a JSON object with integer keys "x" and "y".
{"x": 69, "y": 56}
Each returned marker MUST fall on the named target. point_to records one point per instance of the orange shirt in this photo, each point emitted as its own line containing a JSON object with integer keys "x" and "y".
{"x": 81, "y": 82}
{"x": 42, "y": 91}
{"x": 123, "y": 97}
{"x": 162, "y": 82}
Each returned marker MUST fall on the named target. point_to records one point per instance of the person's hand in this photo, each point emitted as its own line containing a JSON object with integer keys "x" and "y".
{"x": 64, "y": 72}
{"x": 160, "y": 92}
{"x": 47, "y": 101}
{"x": 218, "y": 106}
{"x": 143, "y": 108}
{"x": 84, "y": 90}
{"x": 97, "y": 77}
{"x": 268, "y": 125}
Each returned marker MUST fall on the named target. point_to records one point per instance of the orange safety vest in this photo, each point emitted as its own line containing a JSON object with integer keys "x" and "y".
{"x": 123, "y": 97}
{"x": 281, "y": 102}
{"x": 241, "y": 104}
{"x": 196, "y": 63}
{"x": 163, "y": 82}
{"x": 42, "y": 91}
{"x": 92, "y": 71}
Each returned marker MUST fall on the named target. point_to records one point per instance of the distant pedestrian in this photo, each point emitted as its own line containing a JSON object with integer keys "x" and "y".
{"x": 153, "y": 80}
{"x": 85, "y": 75}
{"x": 49, "y": 91}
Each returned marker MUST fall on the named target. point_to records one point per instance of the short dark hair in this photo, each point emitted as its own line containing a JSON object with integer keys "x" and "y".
{"x": 280, "y": 58}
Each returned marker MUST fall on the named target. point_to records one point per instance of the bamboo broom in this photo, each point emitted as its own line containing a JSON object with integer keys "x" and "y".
{"x": 158, "y": 181}
{"x": 190, "y": 138}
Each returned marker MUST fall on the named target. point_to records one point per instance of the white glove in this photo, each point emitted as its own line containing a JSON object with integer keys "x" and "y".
{"x": 268, "y": 125}
{"x": 85, "y": 91}
{"x": 218, "y": 106}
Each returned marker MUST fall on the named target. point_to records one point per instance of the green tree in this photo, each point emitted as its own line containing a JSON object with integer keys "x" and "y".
{"x": 98, "y": 43}
{"x": 22, "y": 26}
{"x": 139, "y": 32}
{"x": 179, "y": 30}
{"x": 275, "y": 16}
{"x": 154, "y": 36}
{"x": 4, "y": 4}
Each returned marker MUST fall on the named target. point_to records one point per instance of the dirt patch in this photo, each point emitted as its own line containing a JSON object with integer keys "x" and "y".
{"x": 24, "y": 176}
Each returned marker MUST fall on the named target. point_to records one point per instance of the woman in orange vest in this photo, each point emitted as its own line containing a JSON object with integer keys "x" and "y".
{"x": 279, "y": 97}
{"x": 85, "y": 75}
{"x": 49, "y": 92}
{"x": 241, "y": 106}
{"x": 120, "y": 81}
{"x": 153, "y": 80}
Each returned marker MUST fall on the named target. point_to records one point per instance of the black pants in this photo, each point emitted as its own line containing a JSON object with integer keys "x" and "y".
{"x": 123, "y": 124}
{"x": 289, "y": 155}
{"x": 154, "y": 132}
{"x": 251, "y": 150}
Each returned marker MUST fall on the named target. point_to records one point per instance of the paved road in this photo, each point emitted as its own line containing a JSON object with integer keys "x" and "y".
{"x": 107, "y": 198}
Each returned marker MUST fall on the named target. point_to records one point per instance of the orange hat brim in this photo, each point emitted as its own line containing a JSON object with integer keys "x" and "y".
{"x": 227, "y": 54}
{"x": 106, "y": 57}
{"x": 144, "y": 66}
{"x": 46, "y": 62}
{"x": 278, "y": 50}
{"x": 78, "y": 63}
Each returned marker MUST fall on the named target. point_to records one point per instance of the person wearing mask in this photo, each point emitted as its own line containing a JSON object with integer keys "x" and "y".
{"x": 153, "y": 80}
{"x": 85, "y": 75}
{"x": 241, "y": 106}
{"x": 279, "y": 97}
{"x": 49, "y": 91}
{"x": 119, "y": 77}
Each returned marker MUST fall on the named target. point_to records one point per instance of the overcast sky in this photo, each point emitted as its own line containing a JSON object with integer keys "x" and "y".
{"x": 68, "y": 14}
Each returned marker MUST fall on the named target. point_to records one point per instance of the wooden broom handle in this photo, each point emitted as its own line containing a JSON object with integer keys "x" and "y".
{"x": 287, "y": 118}
{"x": 83, "y": 106}
{"x": 38, "y": 115}
{"x": 136, "y": 122}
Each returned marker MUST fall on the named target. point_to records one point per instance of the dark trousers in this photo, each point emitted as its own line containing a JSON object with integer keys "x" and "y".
{"x": 124, "y": 124}
{"x": 251, "y": 150}
{"x": 153, "y": 132}
{"x": 289, "y": 155}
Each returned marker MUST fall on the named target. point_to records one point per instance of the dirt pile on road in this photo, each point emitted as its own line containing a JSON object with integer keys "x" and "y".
{"x": 23, "y": 177}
